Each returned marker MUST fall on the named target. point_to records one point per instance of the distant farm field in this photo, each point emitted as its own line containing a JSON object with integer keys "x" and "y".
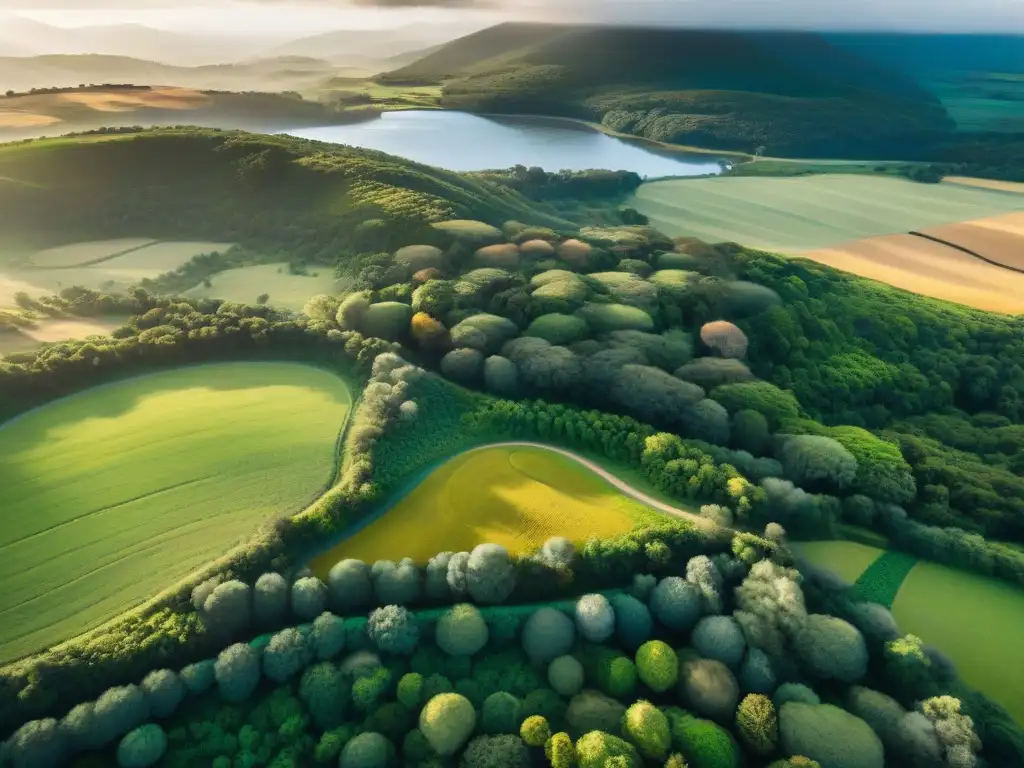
{"x": 945, "y": 607}
{"x": 114, "y": 494}
{"x": 804, "y": 213}
{"x": 286, "y": 291}
{"x": 107, "y": 265}
{"x": 997, "y": 238}
{"x": 514, "y": 496}
{"x": 46, "y": 331}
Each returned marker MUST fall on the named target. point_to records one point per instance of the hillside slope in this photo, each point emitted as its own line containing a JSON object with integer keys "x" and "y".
{"x": 268, "y": 191}
{"x": 793, "y": 93}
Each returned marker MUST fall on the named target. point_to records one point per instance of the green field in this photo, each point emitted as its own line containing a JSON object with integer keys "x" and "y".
{"x": 977, "y": 622}
{"x": 808, "y": 212}
{"x": 116, "y": 493}
{"x": 945, "y": 607}
{"x": 514, "y": 496}
{"x": 286, "y": 291}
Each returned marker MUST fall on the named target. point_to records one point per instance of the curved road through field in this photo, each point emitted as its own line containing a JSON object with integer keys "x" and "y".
{"x": 621, "y": 485}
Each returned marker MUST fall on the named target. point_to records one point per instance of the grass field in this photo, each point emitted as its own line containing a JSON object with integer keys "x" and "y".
{"x": 287, "y": 291}
{"x": 977, "y": 622}
{"x": 109, "y": 265}
{"x": 1003, "y": 186}
{"x": 514, "y": 496}
{"x": 847, "y": 558}
{"x": 45, "y": 331}
{"x": 800, "y": 214}
{"x": 116, "y": 493}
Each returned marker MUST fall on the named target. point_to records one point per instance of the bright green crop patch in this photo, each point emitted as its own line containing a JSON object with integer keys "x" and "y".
{"x": 114, "y": 494}
{"x": 882, "y": 580}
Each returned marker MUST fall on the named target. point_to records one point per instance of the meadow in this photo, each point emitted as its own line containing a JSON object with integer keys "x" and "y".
{"x": 46, "y": 331}
{"x": 946, "y": 607}
{"x": 514, "y": 496}
{"x": 799, "y": 214}
{"x": 114, "y": 494}
{"x": 286, "y": 291}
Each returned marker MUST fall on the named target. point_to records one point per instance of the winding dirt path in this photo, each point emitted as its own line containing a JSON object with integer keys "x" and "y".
{"x": 604, "y": 474}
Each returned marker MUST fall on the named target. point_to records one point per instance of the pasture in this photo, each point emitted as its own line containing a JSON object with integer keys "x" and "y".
{"x": 116, "y": 493}
{"x": 47, "y": 331}
{"x": 514, "y": 496}
{"x": 107, "y": 265}
{"x": 988, "y": 661}
{"x": 799, "y": 214}
{"x": 286, "y": 291}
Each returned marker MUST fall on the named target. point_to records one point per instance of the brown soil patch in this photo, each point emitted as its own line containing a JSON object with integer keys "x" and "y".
{"x": 16, "y": 118}
{"x": 930, "y": 269}
{"x": 130, "y": 101}
{"x": 1002, "y": 186}
{"x": 998, "y": 238}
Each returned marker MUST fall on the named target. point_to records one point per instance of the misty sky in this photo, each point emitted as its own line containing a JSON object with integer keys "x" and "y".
{"x": 285, "y": 16}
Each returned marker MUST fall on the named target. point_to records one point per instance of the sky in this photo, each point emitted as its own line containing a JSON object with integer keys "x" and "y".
{"x": 277, "y": 17}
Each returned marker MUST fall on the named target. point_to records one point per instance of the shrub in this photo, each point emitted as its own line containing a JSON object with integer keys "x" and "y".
{"x": 565, "y": 675}
{"x": 657, "y": 665}
{"x": 633, "y": 622}
{"x": 756, "y": 674}
{"x": 705, "y": 576}
{"x": 575, "y": 252}
{"x": 542, "y": 367}
{"x": 648, "y": 728}
{"x": 461, "y": 630}
{"x": 773, "y": 403}
{"x": 830, "y": 735}
{"x": 954, "y": 729}
{"x": 596, "y": 749}
{"x": 417, "y": 257}
{"x": 327, "y": 636}
{"x": 504, "y": 751}
{"x": 237, "y": 671}
{"x": 368, "y": 688}
{"x": 675, "y": 603}
{"x": 410, "y": 690}
{"x": 546, "y": 703}
{"x": 548, "y": 634}
{"x": 286, "y": 654}
{"x": 270, "y": 599}
{"x": 717, "y": 514}
{"x": 309, "y": 598}
{"x": 537, "y": 248}
{"x": 484, "y": 332}
{"x": 704, "y": 744}
{"x": 757, "y": 724}
{"x": 490, "y": 575}
{"x": 325, "y": 692}
{"x": 36, "y": 744}
{"x": 463, "y": 366}
{"x": 367, "y": 750}
{"x": 164, "y": 692}
{"x": 501, "y": 377}
{"x": 142, "y": 747}
{"x": 387, "y": 320}
{"x": 794, "y": 692}
{"x": 617, "y": 675}
{"x": 770, "y": 607}
{"x": 393, "y": 630}
{"x": 883, "y": 713}
{"x": 605, "y": 318}
{"x": 560, "y": 751}
{"x": 558, "y": 552}
{"x": 119, "y": 710}
{"x": 457, "y": 565}
{"x": 396, "y": 584}
{"x": 447, "y": 721}
{"x": 349, "y": 585}
{"x": 558, "y": 329}
{"x": 198, "y": 677}
{"x": 634, "y": 267}
{"x": 725, "y": 339}
{"x": 501, "y": 713}
{"x": 428, "y": 332}
{"x": 832, "y": 649}
{"x": 709, "y": 688}
{"x": 435, "y": 298}
{"x": 78, "y": 729}
{"x": 595, "y": 618}
{"x": 719, "y": 638}
{"x": 535, "y": 731}
{"x": 750, "y": 432}
{"x": 435, "y": 685}
{"x": 228, "y": 608}
{"x": 711, "y": 372}
{"x": 817, "y": 462}
{"x": 593, "y": 711}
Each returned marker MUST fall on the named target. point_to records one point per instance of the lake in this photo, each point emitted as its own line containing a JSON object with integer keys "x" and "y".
{"x": 459, "y": 141}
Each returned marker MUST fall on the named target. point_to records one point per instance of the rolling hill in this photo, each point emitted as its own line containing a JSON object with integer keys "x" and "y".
{"x": 265, "y": 191}
{"x": 793, "y": 93}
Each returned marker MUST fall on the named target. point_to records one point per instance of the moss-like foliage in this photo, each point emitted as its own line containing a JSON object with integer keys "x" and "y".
{"x": 461, "y": 630}
{"x": 548, "y": 634}
{"x": 565, "y": 675}
{"x": 502, "y": 751}
{"x": 558, "y": 329}
{"x": 830, "y": 735}
{"x": 775, "y": 404}
{"x": 709, "y": 688}
{"x": 560, "y": 751}
{"x": 758, "y": 724}
{"x": 367, "y": 750}
{"x": 596, "y": 749}
{"x": 701, "y": 742}
{"x": 535, "y": 731}
{"x": 467, "y": 230}
{"x": 593, "y": 711}
{"x": 501, "y": 713}
{"x": 605, "y": 318}
{"x": 387, "y": 320}
{"x": 657, "y": 665}
{"x": 447, "y": 721}
{"x": 410, "y": 690}
{"x": 647, "y": 727}
{"x": 484, "y": 332}
{"x": 419, "y": 257}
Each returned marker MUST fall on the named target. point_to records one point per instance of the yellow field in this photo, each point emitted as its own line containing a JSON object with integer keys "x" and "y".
{"x": 81, "y": 253}
{"x": 847, "y": 558}
{"x": 997, "y": 238}
{"x": 46, "y": 331}
{"x": 1002, "y": 186}
{"x": 514, "y": 496}
{"x": 286, "y": 291}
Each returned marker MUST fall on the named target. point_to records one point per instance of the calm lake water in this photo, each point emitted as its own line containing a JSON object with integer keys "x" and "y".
{"x": 460, "y": 141}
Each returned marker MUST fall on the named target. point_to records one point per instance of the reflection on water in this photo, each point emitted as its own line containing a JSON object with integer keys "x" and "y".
{"x": 460, "y": 141}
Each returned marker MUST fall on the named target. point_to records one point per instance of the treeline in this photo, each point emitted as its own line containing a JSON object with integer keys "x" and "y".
{"x": 79, "y": 89}
{"x": 538, "y": 184}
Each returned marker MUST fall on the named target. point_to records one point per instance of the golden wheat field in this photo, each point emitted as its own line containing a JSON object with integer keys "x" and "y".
{"x": 514, "y": 496}
{"x": 998, "y": 238}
